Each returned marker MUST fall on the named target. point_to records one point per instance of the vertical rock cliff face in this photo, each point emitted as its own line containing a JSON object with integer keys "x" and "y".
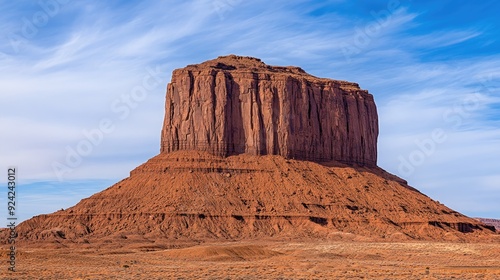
{"x": 240, "y": 106}
{"x": 234, "y": 105}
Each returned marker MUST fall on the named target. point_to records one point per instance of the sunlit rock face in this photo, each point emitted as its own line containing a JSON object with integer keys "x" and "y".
{"x": 235, "y": 105}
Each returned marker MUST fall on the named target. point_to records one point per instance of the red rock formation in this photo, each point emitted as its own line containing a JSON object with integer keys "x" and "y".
{"x": 237, "y": 105}
{"x": 233, "y": 105}
{"x": 195, "y": 196}
{"x": 491, "y": 222}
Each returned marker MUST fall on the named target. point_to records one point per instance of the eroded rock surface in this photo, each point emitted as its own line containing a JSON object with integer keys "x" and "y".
{"x": 225, "y": 173}
{"x": 195, "y": 196}
{"x": 234, "y": 105}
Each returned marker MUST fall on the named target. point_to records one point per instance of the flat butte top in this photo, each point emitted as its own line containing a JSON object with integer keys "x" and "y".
{"x": 246, "y": 64}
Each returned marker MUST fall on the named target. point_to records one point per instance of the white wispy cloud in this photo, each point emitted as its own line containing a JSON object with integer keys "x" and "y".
{"x": 440, "y": 39}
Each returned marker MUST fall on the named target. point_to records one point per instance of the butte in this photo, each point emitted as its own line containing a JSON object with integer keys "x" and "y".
{"x": 251, "y": 151}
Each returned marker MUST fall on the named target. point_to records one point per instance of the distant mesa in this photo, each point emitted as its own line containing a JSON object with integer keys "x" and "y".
{"x": 491, "y": 222}
{"x": 251, "y": 151}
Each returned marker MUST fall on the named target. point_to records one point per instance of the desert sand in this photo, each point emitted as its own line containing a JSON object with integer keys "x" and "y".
{"x": 266, "y": 260}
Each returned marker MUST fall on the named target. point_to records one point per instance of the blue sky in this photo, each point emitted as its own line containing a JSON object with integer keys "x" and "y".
{"x": 71, "y": 68}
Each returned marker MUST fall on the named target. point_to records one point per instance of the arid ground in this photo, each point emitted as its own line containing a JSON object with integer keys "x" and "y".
{"x": 266, "y": 260}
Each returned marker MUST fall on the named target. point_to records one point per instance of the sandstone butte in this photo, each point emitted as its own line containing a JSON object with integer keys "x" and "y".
{"x": 235, "y": 105}
{"x": 251, "y": 151}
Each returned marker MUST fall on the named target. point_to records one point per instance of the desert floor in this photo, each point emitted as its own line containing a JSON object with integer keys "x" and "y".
{"x": 265, "y": 260}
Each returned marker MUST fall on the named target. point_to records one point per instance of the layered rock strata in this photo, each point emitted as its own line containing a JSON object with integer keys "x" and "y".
{"x": 192, "y": 196}
{"x": 235, "y": 105}
{"x": 223, "y": 172}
